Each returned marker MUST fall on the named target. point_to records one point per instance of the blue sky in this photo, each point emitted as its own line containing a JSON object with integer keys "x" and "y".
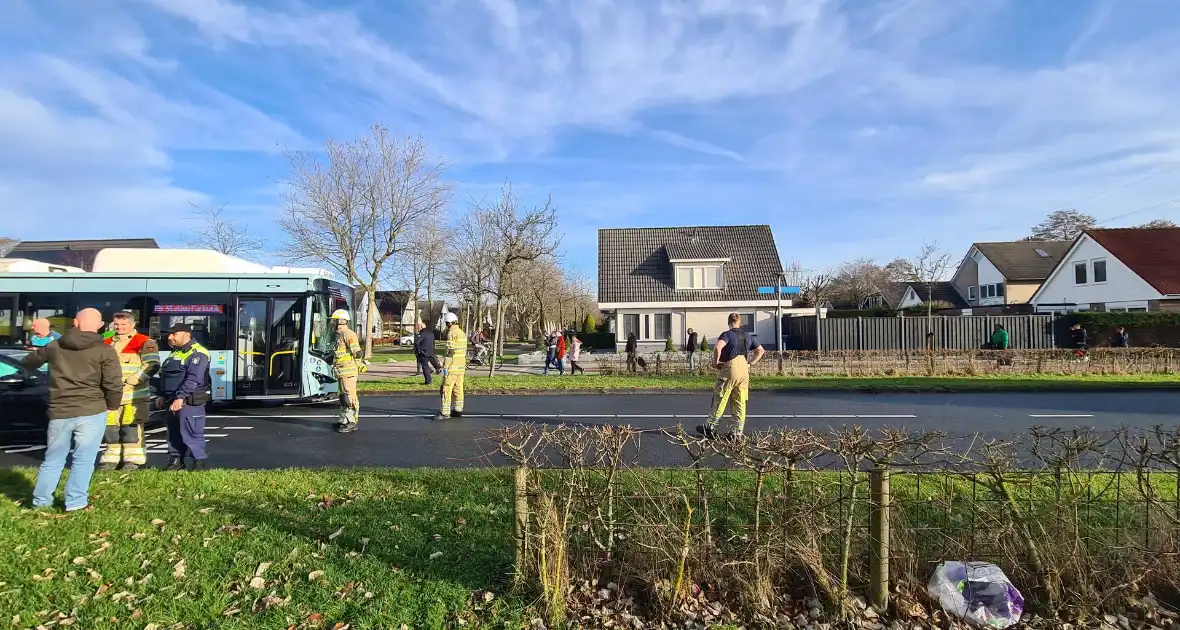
{"x": 855, "y": 128}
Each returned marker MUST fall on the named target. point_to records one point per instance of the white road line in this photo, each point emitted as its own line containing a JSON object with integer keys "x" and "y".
{"x": 824, "y": 415}
{"x": 1061, "y": 415}
{"x": 209, "y": 435}
{"x": 26, "y": 449}
{"x": 236, "y": 428}
{"x": 159, "y": 430}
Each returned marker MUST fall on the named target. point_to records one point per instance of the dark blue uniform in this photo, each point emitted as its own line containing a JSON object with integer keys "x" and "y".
{"x": 185, "y": 376}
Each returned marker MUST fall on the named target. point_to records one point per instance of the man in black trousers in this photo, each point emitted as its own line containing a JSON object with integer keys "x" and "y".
{"x": 424, "y": 352}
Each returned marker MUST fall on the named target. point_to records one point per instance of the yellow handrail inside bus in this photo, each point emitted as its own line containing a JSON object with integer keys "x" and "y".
{"x": 275, "y": 354}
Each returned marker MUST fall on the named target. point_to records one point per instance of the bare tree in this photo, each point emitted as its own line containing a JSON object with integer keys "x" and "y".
{"x": 1157, "y": 224}
{"x": 350, "y": 209}
{"x": 858, "y": 280}
{"x": 815, "y": 288}
{"x": 930, "y": 266}
{"x": 221, "y": 234}
{"x": 900, "y": 270}
{"x": 516, "y": 236}
{"x": 1062, "y": 225}
{"x": 7, "y": 243}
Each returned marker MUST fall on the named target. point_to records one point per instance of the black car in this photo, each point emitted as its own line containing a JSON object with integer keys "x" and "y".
{"x": 24, "y": 396}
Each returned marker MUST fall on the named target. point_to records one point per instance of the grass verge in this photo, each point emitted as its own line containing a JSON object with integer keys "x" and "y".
{"x": 322, "y": 549}
{"x": 231, "y": 549}
{"x": 536, "y": 384}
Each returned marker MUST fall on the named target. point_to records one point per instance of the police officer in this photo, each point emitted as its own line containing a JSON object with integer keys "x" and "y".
{"x": 733, "y": 382}
{"x": 184, "y": 392}
{"x": 347, "y": 367}
{"x": 454, "y": 368}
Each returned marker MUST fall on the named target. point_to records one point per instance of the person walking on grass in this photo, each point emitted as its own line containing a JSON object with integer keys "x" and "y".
{"x": 85, "y": 384}
{"x": 733, "y": 381}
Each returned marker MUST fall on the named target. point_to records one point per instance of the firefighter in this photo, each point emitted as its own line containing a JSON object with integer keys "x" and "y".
{"x": 184, "y": 392}
{"x": 347, "y": 368}
{"x": 453, "y": 368}
{"x": 139, "y": 359}
{"x": 733, "y": 381}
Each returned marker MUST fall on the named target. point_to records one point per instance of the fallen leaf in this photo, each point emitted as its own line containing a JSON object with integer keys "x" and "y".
{"x": 178, "y": 570}
{"x": 138, "y": 536}
{"x": 488, "y": 596}
{"x": 315, "y": 618}
{"x": 337, "y": 534}
{"x": 152, "y": 626}
{"x": 79, "y": 561}
{"x": 205, "y": 510}
{"x": 120, "y": 596}
{"x": 340, "y": 625}
{"x": 262, "y": 568}
{"x": 258, "y": 583}
{"x": 94, "y": 575}
{"x": 157, "y": 522}
{"x": 314, "y": 575}
{"x": 231, "y": 611}
{"x": 137, "y": 614}
{"x": 436, "y": 555}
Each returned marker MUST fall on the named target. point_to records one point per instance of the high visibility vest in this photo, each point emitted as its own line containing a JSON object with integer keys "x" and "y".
{"x": 139, "y": 357}
{"x": 348, "y": 350}
{"x": 455, "y": 358}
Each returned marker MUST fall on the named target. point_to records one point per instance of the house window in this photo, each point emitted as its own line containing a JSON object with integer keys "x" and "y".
{"x": 699, "y": 277}
{"x": 1000, "y": 289}
{"x": 748, "y": 323}
{"x": 1099, "y": 271}
{"x": 630, "y": 326}
{"x": 663, "y": 325}
{"x": 1079, "y": 273}
{"x": 971, "y": 293}
{"x": 647, "y": 326}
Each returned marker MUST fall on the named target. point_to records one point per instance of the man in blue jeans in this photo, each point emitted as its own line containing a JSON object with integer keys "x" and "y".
{"x": 85, "y": 382}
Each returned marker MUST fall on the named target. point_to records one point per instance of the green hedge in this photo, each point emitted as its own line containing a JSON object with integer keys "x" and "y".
{"x": 598, "y": 340}
{"x": 1146, "y": 329}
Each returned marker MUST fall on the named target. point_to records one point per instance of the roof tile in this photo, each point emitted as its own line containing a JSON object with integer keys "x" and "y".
{"x": 1019, "y": 260}
{"x": 634, "y": 266}
{"x": 1152, "y": 253}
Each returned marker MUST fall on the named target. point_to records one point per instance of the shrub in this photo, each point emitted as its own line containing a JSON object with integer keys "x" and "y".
{"x": 1146, "y": 329}
{"x": 589, "y": 324}
{"x": 669, "y": 346}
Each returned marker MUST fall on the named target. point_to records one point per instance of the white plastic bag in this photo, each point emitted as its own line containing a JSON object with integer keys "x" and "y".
{"x": 976, "y": 592}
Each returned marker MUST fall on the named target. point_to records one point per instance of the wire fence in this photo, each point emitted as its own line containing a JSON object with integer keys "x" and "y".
{"x": 1090, "y": 517}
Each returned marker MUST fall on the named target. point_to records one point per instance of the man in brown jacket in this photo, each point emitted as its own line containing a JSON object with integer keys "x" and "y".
{"x": 85, "y": 383}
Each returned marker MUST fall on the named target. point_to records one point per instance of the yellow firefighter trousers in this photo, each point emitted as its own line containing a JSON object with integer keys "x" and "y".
{"x": 733, "y": 386}
{"x": 350, "y": 404}
{"x": 452, "y": 387}
{"x": 124, "y": 435}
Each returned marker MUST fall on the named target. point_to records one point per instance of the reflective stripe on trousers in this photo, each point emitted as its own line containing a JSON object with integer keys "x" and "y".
{"x": 733, "y": 386}
{"x": 452, "y": 393}
{"x": 124, "y": 435}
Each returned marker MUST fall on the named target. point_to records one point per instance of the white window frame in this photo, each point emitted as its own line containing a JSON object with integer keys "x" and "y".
{"x": 655, "y": 331}
{"x": 971, "y": 293}
{"x": 698, "y": 277}
{"x": 1085, "y": 267}
{"x": 1093, "y": 278}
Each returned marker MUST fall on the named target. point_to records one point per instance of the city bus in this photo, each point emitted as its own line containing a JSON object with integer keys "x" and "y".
{"x": 268, "y": 329}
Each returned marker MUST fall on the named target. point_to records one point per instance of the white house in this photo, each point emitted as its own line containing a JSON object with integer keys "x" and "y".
{"x": 1125, "y": 269}
{"x": 659, "y": 282}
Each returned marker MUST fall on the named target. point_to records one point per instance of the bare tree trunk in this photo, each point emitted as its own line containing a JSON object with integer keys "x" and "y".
{"x": 371, "y": 293}
{"x": 496, "y": 340}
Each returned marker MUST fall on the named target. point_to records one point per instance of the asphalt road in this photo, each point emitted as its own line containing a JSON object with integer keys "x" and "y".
{"x": 397, "y": 431}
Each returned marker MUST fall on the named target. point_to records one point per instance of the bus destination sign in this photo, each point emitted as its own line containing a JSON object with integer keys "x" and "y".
{"x": 189, "y": 309}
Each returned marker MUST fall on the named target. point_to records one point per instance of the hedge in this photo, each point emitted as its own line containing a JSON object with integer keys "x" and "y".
{"x": 1146, "y": 329}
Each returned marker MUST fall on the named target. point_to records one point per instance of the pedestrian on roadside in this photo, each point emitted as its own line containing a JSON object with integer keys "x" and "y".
{"x": 559, "y": 354}
{"x": 424, "y": 352}
{"x": 632, "y": 350}
{"x": 184, "y": 391}
{"x": 733, "y": 381}
{"x": 85, "y": 384}
{"x": 691, "y": 349}
{"x": 43, "y": 334}
{"x": 576, "y": 355}
{"x": 1122, "y": 338}
{"x": 550, "y": 350}
{"x": 1079, "y": 338}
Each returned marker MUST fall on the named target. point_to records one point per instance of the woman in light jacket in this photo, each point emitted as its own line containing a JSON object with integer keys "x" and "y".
{"x": 576, "y": 355}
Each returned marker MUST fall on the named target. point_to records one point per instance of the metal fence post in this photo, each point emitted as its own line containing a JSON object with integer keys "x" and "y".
{"x": 879, "y": 504}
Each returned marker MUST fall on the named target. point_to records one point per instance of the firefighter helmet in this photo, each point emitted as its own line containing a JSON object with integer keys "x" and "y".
{"x": 341, "y": 314}
{"x": 449, "y": 318}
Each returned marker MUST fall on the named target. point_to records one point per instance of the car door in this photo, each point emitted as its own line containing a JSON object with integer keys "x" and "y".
{"x": 24, "y": 400}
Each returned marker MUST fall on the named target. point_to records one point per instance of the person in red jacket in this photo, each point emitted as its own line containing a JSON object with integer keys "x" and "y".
{"x": 559, "y": 355}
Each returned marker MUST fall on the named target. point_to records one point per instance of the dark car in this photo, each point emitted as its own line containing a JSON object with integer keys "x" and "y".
{"x": 24, "y": 395}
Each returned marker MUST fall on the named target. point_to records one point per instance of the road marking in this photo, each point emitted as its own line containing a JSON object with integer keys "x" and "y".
{"x": 152, "y": 431}
{"x": 26, "y": 449}
{"x": 548, "y": 416}
{"x": 823, "y": 415}
{"x": 1061, "y": 415}
{"x": 209, "y": 435}
{"x": 236, "y": 428}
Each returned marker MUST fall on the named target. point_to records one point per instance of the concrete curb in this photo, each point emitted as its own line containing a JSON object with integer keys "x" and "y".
{"x": 1048, "y": 388}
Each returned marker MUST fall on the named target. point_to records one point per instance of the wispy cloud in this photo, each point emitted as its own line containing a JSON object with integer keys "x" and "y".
{"x": 854, "y": 128}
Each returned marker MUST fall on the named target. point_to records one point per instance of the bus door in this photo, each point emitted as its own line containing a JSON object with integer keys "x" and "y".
{"x": 12, "y": 332}
{"x": 268, "y": 351}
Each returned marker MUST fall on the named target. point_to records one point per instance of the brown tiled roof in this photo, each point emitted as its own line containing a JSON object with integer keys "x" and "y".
{"x": 1152, "y": 253}
{"x": 1019, "y": 261}
{"x": 633, "y": 263}
{"x": 942, "y": 291}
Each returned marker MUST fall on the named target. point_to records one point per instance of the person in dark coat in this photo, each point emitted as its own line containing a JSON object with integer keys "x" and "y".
{"x": 424, "y": 352}
{"x": 691, "y": 349}
{"x": 632, "y": 350}
{"x": 1122, "y": 338}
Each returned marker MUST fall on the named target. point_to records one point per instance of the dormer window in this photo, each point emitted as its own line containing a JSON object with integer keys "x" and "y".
{"x": 698, "y": 277}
